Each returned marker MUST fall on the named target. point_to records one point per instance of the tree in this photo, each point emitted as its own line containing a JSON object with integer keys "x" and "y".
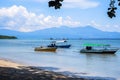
{"x": 111, "y": 10}
{"x": 56, "y": 4}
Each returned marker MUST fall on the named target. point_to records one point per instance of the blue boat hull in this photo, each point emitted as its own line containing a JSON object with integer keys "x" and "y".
{"x": 60, "y": 46}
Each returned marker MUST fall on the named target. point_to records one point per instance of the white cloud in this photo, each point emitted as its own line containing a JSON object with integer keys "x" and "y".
{"x": 83, "y": 4}
{"x": 106, "y": 27}
{"x": 20, "y": 19}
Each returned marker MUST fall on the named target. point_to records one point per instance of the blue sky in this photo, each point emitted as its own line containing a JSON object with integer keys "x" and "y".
{"x": 31, "y": 15}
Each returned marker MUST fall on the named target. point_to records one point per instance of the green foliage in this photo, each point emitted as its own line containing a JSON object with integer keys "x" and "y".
{"x": 111, "y": 10}
{"x": 56, "y": 4}
{"x": 7, "y": 37}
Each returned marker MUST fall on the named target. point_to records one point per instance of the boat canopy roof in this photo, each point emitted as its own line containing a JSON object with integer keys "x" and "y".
{"x": 59, "y": 41}
{"x": 97, "y": 45}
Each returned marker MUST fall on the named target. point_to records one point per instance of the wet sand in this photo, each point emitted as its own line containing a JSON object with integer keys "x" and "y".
{"x": 14, "y": 71}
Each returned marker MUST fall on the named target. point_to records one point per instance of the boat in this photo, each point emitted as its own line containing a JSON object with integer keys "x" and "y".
{"x": 45, "y": 49}
{"x": 106, "y": 49}
{"x": 59, "y": 44}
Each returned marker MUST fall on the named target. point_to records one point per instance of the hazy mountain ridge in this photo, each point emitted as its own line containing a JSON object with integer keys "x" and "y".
{"x": 62, "y": 32}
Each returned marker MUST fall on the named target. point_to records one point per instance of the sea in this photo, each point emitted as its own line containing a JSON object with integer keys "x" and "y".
{"x": 66, "y": 61}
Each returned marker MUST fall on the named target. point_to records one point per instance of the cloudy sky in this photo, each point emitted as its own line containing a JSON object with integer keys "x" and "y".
{"x": 31, "y": 15}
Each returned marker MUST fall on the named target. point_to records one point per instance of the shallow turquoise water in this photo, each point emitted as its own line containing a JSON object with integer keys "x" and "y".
{"x": 64, "y": 60}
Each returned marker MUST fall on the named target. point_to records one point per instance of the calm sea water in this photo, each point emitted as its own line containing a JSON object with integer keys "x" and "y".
{"x": 64, "y": 60}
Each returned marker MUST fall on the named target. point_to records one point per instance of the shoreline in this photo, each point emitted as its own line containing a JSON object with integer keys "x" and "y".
{"x": 9, "y": 63}
{"x": 10, "y": 70}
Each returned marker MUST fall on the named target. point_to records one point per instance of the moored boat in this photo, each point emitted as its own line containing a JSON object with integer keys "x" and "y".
{"x": 46, "y": 49}
{"x": 104, "y": 50}
{"x": 59, "y": 44}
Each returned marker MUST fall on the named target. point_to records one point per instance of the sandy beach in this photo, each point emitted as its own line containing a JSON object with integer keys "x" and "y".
{"x": 13, "y": 71}
{"x": 7, "y": 63}
{"x": 10, "y": 70}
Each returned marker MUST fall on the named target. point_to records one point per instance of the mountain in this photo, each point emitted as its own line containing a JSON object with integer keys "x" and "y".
{"x": 62, "y": 32}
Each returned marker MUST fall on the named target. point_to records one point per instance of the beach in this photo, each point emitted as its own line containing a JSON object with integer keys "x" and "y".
{"x": 13, "y": 71}
{"x": 7, "y": 63}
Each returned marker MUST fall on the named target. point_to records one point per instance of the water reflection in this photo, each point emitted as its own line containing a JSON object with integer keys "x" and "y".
{"x": 102, "y": 64}
{"x": 101, "y": 57}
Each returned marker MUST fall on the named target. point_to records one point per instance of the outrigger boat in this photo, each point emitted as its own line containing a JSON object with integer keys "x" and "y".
{"x": 106, "y": 49}
{"x": 58, "y": 44}
{"x": 45, "y": 49}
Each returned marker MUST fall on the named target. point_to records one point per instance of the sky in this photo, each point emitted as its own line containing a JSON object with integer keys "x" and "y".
{"x": 32, "y": 15}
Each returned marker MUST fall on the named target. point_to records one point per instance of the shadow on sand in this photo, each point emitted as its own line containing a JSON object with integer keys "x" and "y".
{"x": 40, "y": 73}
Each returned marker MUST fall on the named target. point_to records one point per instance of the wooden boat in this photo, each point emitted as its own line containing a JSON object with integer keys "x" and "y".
{"x": 58, "y": 44}
{"x": 46, "y": 49}
{"x": 104, "y": 50}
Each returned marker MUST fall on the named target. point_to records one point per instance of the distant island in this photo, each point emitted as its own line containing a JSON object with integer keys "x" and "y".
{"x": 7, "y": 37}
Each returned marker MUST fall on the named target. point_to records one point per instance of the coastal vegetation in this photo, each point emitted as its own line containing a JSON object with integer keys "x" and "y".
{"x": 7, "y": 37}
